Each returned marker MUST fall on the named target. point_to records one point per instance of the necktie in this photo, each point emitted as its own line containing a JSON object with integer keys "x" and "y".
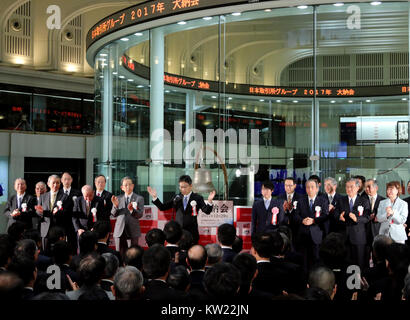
{"x": 66, "y": 192}
{"x": 126, "y": 201}
{"x": 289, "y": 198}
{"x": 98, "y": 194}
{"x": 53, "y": 199}
{"x": 330, "y": 199}
{"x": 18, "y": 202}
{"x": 372, "y": 203}
{"x": 351, "y": 205}
{"x": 311, "y": 204}
{"x": 185, "y": 202}
{"x": 88, "y": 207}
{"x": 267, "y": 204}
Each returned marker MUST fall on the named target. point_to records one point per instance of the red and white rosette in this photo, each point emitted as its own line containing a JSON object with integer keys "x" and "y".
{"x": 317, "y": 211}
{"x": 295, "y": 204}
{"x": 275, "y": 212}
{"x": 134, "y": 205}
{"x": 193, "y": 205}
{"x": 360, "y": 209}
{"x": 94, "y": 213}
{"x": 23, "y": 207}
{"x": 59, "y": 206}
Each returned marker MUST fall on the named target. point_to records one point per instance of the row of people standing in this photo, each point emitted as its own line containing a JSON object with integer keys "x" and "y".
{"x": 359, "y": 215}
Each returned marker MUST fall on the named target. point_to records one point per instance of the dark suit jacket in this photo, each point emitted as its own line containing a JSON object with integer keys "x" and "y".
{"x": 157, "y": 290}
{"x": 355, "y": 231}
{"x": 228, "y": 255}
{"x": 24, "y": 217}
{"x": 295, "y": 277}
{"x": 408, "y": 216}
{"x": 106, "y": 199}
{"x": 372, "y": 227}
{"x": 172, "y": 250}
{"x": 303, "y": 211}
{"x": 103, "y": 248}
{"x": 184, "y": 217}
{"x": 334, "y": 225}
{"x": 80, "y": 218}
{"x": 292, "y": 225}
{"x": 262, "y": 218}
{"x": 270, "y": 278}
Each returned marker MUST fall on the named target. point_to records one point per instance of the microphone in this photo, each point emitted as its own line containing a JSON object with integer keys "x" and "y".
{"x": 177, "y": 198}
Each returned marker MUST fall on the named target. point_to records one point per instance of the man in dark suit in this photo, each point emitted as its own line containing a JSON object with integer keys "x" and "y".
{"x": 156, "y": 263}
{"x": 68, "y": 206}
{"x": 311, "y": 212}
{"x": 362, "y": 181}
{"x": 408, "y": 216}
{"x": 50, "y": 208}
{"x": 196, "y": 261}
{"x": 102, "y": 228}
{"x": 41, "y": 188}
{"x": 20, "y": 207}
{"x": 128, "y": 208}
{"x": 103, "y": 194}
{"x": 332, "y": 224}
{"x": 268, "y": 214}
{"x": 186, "y": 204}
{"x": 355, "y": 213}
{"x": 87, "y": 210}
{"x": 290, "y": 199}
{"x": 173, "y": 233}
{"x": 319, "y": 183}
{"x": 226, "y": 237}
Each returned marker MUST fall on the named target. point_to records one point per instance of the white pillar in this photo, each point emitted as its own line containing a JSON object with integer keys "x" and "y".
{"x": 156, "y": 172}
{"x": 107, "y": 120}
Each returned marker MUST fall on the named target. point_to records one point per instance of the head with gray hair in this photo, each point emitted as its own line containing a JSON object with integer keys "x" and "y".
{"x": 352, "y": 187}
{"x": 128, "y": 284}
{"x": 54, "y": 183}
{"x": 40, "y": 188}
{"x": 330, "y": 185}
{"x": 371, "y": 187}
{"x": 88, "y": 192}
{"x": 324, "y": 278}
{"x": 214, "y": 252}
{"x": 111, "y": 265}
{"x": 20, "y": 185}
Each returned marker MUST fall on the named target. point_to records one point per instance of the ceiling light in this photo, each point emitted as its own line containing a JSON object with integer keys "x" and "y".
{"x": 124, "y": 39}
{"x": 375, "y": 3}
{"x": 207, "y": 18}
{"x": 236, "y": 14}
{"x": 121, "y": 77}
{"x": 338, "y": 4}
{"x": 181, "y": 23}
{"x": 302, "y": 7}
{"x": 138, "y": 34}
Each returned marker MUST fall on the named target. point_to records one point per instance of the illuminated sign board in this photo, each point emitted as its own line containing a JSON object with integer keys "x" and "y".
{"x": 152, "y": 10}
{"x": 278, "y": 91}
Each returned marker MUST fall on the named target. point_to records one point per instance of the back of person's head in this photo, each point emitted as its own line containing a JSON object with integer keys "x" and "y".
{"x": 133, "y": 256}
{"x": 246, "y": 264}
{"x": 322, "y": 277}
{"x": 55, "y": 234}
{"x": 128, "y": 283}
{"x": 398, "y": 259}
{"x": 91, "y": 269}
{"x": 156, "y": 261}
{"x": 88, "y": 242}
{"x": 155, "y": 236}
{"x": 333, "y": 250}
{"x": 214, "y": 253}
{"x": 50, "y": 295}
{"x": 222, "y": 281}
{"x": 33, "y": 234}
{"x": 111, "y": 265}
{"x": 173, "y": 232}
{"x": 263, "y": 243}
{"x": 61, "y": 252}
{"x": 379, "y": 247}
{"x": 28, "y": 248}
{"x": 186, "y": 240}
{"x": 197, "y": 257}
{"x": 24, "y": 267}
{"x": 316, "y": 294}
{"x": 179, "y": 278}
{"x": 287, "y": 231}
{"x": 6, "y": 250}
{"x": 102, "y": 228}
{"x": 94, "y": 294}
{"x": 237, "y": 244}
{"x": 11, "y": 286}
{"x": 315, "y": 177}
{"x": 287, "y": 245}
{"x": 16, "y": 230}
{"x": 277, "y": 243}
{"x": 226, "y": 234}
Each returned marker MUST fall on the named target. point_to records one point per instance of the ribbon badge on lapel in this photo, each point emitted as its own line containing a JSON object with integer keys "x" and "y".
{"x": 193, "y": 205}
{"x": 275, "y": 212}
{"x": 74, "y": 198}
{"x": 94, "y": 212}
{"x": 360, "y": 209}
{"x": 317, "y": 211}
{"x": 59, "y": 207}
{"x": 23, "y": 207}
{"x": 295, "y": 204}
{"x": 134, "y": 205}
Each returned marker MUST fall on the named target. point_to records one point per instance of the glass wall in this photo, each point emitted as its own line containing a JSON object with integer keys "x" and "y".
{"x": 320, "y": 85}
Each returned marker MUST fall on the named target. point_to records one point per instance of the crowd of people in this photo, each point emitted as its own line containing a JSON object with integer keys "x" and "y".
{"x": 318, "y": 246}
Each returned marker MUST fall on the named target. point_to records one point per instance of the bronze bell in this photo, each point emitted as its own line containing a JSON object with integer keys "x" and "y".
{"x": 202, "y": 181}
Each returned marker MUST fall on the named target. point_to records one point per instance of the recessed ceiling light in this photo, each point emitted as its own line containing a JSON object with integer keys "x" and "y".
{"x": 338, "y": 4}
{"x": 103, "y": 54}
{"x": 121, "y": 77}
{"x": 213, "y": 97}
{"x": 333, "y": 101}
{"x": 375, "y": 3}
{"x": 278, "y": 101}
{"x": 230, "y": 98}
{"x": 140, "y": 86}
{"x": 130, "y": 80}
{"x": 236, "y": 14}
{"x": 368, "y": 100}
{"x": 125, "y": 39}
{"x": 295, "y": 101}
{"x": 261, "y": 100}
{"x": 167, "y": 91}
{"x": 138, "y": 34}
{"x": 115, "y": 73}
{"x": 181, "y": 23}
{"x": 350, "y": 101}
{"x": 302, "y": 7}
{"x": 268, "y": 10}
{"x": 207, "y": 18}
{"x": 404, "y": 99}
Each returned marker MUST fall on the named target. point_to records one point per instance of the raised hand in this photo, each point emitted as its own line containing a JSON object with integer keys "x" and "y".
{"x": 115, "y": 201}
{"x": 152, "y": 192}
{"x": 342, "y": 217}
{"x": 353, "y": 216}
{"x": 211, "y": 196}
{"x": 130, "y": 207}
{"x": 16, "y": 213}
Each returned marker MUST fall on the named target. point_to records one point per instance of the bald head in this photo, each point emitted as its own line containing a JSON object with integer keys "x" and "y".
{"x": 324, "y": 278}
{"x": 197, "y": 257}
